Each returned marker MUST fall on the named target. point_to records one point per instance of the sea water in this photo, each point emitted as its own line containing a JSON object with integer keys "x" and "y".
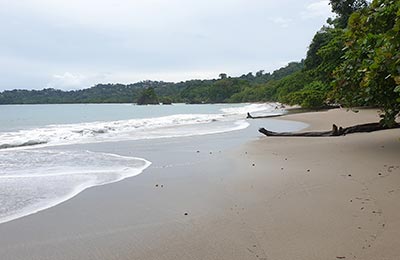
{"x": 34, "y": 179}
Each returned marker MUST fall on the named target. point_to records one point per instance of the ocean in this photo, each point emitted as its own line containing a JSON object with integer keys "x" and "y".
{"x": 34, "y": 175}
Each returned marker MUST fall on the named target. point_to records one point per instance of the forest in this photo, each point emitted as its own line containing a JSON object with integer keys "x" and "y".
{"x": 248, "y": 87}
{"x": 353, "y": 60}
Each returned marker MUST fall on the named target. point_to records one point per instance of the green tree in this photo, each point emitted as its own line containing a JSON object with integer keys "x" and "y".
{"x": 292, "y": 83}
{"x": 147, "y": 96}
{"x": 313, "y": 95}
{"x": 344, "y": 9}
{"x": 222, "y": 90}
{"x": 330, "y": 55}
{"x": 259, "y": 73}
{"x": 370, "y": 72}
{"x": 321, "y": 39}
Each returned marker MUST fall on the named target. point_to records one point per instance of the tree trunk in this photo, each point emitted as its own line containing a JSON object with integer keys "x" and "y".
{"x": 363, "y": 128}
{"x": 256, "y": 117}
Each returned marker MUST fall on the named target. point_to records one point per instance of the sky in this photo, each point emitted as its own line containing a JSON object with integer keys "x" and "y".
{"x": 74, "y": 44}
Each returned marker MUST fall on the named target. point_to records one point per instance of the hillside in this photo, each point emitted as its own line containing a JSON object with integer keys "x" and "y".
{"x": 225, "y": 89}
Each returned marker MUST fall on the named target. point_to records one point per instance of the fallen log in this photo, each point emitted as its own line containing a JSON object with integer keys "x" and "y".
{"x": 257, "y": 117}
{"x": 336, "y": 131}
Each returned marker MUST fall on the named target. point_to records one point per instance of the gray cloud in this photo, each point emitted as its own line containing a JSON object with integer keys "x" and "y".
{"x": 75, "y": 44}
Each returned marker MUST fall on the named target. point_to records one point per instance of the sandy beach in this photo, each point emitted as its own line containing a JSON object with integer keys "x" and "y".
{"x": 234, "y": 196}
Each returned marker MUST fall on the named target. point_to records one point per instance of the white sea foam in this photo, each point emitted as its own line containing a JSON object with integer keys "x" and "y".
{"x": 250, "y": 108}
{"x": 133, "y": 129}
{"x": 34, "y": 180}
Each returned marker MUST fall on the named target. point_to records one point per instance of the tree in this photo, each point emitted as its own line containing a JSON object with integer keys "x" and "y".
{"x": 330, "y": 54}
{"x": 147, "y": 96}
{"x": 223, "y": 76}
{"x": 222, "y": 90}
{"x": 259, "y": 73}
{"x": 370, "y": 72}
{"x": 321, "y": 38}
{"x": 344, "y": 9}
{"x": 292, "y": 83}
{"x": 313, "y": 95}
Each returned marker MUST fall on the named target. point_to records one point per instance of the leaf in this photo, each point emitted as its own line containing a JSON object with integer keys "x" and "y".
{"x": 374, "y": 66}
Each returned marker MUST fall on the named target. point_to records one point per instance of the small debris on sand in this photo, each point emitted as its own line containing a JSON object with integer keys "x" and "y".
{"x": 185, "y": 214}
{"x": 349, "y": 175}
{"x": 156, "y": 185}
{"x": 253, "y": 164}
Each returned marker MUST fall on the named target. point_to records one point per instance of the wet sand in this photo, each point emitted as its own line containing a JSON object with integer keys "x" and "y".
{"x": 222, "y": 197}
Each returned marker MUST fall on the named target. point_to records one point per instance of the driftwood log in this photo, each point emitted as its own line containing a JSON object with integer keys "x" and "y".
{"x": 336, "y": 131}
{"x": 256, "y": 117}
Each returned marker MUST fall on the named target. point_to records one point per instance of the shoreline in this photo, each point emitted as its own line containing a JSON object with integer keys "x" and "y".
{"x": 73, "y": 191}
{"x": 49, "y": 201}
{"x": 268, "y": 198}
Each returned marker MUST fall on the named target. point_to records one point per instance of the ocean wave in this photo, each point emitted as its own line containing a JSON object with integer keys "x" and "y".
{"x": 34, "y": 180}
{"x": 251, "y": 108}
{"x": 21, "y": 144}
{"x": 99, "y": 131}
{"x": 230, "y": 119}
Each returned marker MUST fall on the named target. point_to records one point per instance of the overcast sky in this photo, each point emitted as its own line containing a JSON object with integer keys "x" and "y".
{"x": 71, "y": 44}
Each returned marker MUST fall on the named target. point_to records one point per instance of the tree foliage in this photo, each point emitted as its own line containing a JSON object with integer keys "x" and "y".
{"x": 321, "y": 39}
{"x": 370, "y": 72}
{"x": 148, "y": 97}
{"x": 312, "y": 95}
{"x": 248, "y": 87}
{"x": 344, "y": 9}
{"x": 354, "y": 62}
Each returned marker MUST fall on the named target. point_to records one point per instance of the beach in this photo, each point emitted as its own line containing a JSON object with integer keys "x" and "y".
{"x": 236, "y": 195}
